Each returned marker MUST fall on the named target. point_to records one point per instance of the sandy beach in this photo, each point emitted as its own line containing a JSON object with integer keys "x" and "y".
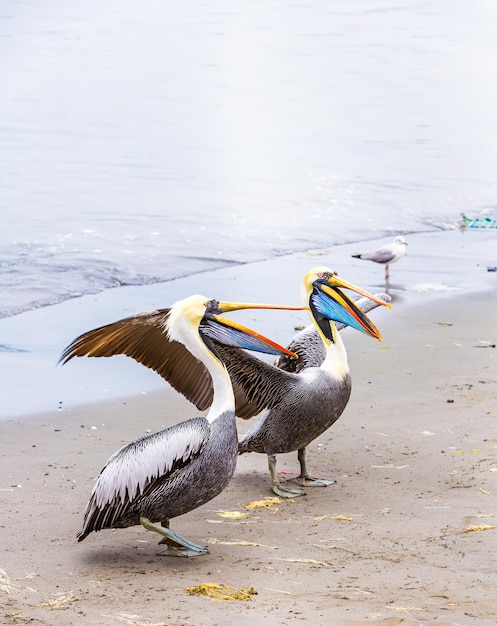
{"x": 406, "y": 535}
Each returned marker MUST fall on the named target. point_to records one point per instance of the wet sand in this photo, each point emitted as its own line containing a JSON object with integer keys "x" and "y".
{"x": 406, "y": 535}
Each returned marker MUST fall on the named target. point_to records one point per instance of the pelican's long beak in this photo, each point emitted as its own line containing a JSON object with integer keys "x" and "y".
{"x": 337, "y": 306}
{"x": 231, "y": 333}
{"x": 227, "y": 307}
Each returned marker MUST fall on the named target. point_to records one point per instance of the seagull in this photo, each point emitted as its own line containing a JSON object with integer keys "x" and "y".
{"x": 390, "y": 253}
{"x": 166, "y": 474}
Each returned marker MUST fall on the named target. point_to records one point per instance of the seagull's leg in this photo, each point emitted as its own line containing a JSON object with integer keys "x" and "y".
{"x": 387, "y": 272}
{"x": 309, "y": 481}
{"x": 276, "y": 486}
{"x": 176, "y": 545}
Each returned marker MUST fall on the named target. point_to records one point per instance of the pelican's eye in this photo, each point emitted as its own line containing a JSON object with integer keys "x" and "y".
{"x": 326, "y": 275}
{"x": 212, "y": 306}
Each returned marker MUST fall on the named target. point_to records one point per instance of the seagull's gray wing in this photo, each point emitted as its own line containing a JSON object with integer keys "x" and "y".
{"x": 382, "y": 255}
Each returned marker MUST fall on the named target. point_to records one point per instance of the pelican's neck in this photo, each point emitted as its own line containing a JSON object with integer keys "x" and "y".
{"x": 186, "y": 331}
{"x": 335, "y": 363}
{"x": 224, "y": 399}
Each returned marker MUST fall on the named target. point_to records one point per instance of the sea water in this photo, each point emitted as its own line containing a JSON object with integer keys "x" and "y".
{"x": 140, "y": 142}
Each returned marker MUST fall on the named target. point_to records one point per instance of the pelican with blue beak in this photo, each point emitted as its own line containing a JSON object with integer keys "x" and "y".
{"x": 169, "y": 473}
{"x": 311, "y": 393}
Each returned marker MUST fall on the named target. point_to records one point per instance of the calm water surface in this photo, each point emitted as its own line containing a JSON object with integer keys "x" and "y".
{"x": 145, "y": 141}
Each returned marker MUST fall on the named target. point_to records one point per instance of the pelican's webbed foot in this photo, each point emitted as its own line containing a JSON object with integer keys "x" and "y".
{"x": 285, "y": 492}
{"x": 176, "y": 545}
{"x": 312, "y": 481}
{"x": 278, "y": 488}
{"x": 183, "y": 552}
{"x": 305, "y": 480}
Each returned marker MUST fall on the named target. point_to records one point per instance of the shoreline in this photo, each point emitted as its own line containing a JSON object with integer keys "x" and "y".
{"x": 438, "y": 265}
{"x": 414, "y": 457}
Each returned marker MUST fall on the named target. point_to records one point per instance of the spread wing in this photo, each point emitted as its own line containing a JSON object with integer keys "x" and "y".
{"x": 143, "y": 337}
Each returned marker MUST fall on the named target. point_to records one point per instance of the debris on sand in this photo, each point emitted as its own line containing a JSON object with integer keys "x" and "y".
{"x": 341, "y": 518}
{"x": 218, "y": 591}
{"x": 60, "y": 602}
{"x": 244, "y": 544}
{"x": 478, "y": 528}
{"x": 133, "y": 620}
{"x": 233, "y": 514}
{"x": 405, "y": 609}
{"x": 477, "y": 222}
{"x": 260, "y": 504}
{"x": 6, "y": 584}
{"x": 312, "y": 562}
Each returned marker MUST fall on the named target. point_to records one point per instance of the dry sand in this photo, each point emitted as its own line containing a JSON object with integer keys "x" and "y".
{"x": 394, "y": 541}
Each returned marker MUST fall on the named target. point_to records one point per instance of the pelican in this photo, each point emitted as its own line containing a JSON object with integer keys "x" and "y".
{"x": 390, "y": 253}
{"x": 310, "y": 395}
{"x": 163, "y": 475}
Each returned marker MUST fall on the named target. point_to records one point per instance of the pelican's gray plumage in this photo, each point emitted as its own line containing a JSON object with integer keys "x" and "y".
{"x": 166, "y": 474}
{"x": 389, "y": 253}
{"x": 310, "y": 396}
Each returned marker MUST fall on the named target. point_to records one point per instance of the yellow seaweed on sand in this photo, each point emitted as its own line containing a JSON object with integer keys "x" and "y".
{"x": 233, "y": 514}
{"x": 475, "y": 529}
{"x": 260, "y": 504}
{"x": 225, "y": 593}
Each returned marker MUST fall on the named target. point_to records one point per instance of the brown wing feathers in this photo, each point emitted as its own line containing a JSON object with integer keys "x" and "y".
{"x": 143, "y": 338}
